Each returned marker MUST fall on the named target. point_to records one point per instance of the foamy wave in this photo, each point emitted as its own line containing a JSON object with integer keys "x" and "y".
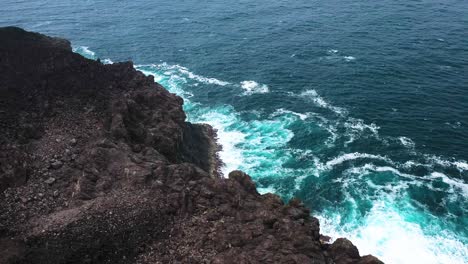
{"x": 282, "y": 111}
{"x": 458, "y": 187}
{"x": 185, "y": 72}
{"x": 407, "y": 142}
{"x": 359, "y": 125}
{"x": 320, "y": 102}
{"x": 327, "y": 125}
{"x": 85, "y": 51}
{"x": 264, "y": 190}
{"x": 252, "y": 87}
{"x": 107, "y": 61}
{"x": 202, "y": 79}
{"x": 356, "y": 127}
{"x": 411, "y": 163}
{"x": 388, "y": 235}
{"x": 458, "y": 184}
{"x": 388, "y": 230}
{"x": 353, "y": 156}
{"x": 369, "y": 167}
{"x": 230, "y": 154}
{"x": 461, "y": 165}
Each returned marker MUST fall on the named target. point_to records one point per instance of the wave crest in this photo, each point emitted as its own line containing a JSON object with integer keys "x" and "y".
{"x": 252, "y": 87}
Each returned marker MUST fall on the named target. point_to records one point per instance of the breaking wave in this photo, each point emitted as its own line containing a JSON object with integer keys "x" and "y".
{"x": 252, "y": 87}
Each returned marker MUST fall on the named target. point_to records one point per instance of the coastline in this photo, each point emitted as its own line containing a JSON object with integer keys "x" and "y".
{"x": 109, "y": 165}
{"x": 215, "y": 161}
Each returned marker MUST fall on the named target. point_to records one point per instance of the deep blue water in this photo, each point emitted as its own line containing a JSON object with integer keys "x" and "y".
{"x": 360, "y": 108}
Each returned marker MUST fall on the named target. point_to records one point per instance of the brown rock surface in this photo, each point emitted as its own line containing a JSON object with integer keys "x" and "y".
{"x": 97, "y": 165}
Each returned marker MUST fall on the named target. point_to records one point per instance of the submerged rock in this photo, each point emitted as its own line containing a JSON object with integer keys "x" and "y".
{"x": 133, "y": 182}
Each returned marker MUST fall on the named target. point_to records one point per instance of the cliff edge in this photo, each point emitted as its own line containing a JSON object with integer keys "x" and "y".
{"x": 98, "y": 165}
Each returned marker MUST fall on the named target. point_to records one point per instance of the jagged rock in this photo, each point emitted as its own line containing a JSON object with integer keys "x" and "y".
{"x": 50, "y": 180}
{"x": 369, "y": 259}
{"x": 325, "y": 239}
{"x": 56, "y": 164}
{"x": 343, "y": 251}
{"x": 244, "y": 180}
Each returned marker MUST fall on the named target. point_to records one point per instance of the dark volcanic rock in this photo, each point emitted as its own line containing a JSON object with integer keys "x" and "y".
{"x": 97, "y": 165}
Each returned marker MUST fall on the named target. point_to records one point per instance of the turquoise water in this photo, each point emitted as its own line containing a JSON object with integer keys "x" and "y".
{"x": 357, "y": 107}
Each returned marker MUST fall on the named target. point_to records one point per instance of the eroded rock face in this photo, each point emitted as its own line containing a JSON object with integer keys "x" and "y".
{"x": 98, "y": 165}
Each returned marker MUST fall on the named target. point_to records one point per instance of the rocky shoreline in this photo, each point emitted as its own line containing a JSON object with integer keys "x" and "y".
{"x": 98, "y": 165}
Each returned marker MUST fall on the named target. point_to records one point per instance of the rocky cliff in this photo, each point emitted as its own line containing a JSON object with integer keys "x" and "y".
{"x": 98, "y": 165}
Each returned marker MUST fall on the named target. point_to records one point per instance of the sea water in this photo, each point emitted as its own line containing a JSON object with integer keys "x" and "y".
{"x": 359, "y": 108}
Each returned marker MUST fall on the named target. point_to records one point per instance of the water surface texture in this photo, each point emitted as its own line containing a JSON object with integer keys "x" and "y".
{"x": 360, "y": 108}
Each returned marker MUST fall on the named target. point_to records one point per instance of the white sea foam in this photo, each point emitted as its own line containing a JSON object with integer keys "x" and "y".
{"x": 107, "y": 61}
{"x": 202, "y": 79}
{"x": 282, "y": 111}
{"x": 231, "y": 154}
{"x": 320, "y": 102}
{"x": 85, "y": 51}
{"x": 458, "y": 184}
{"x": 410, "y": 163}
{"x": 315, "y": 97}
{"x": 388, "y": 235}
{"x": 264, "y": 190}
{"x": 369, "y": 167}
{"x": 185, "y": 72}
{"x": 329, "y": 126}
{"x": 407, "y": 142}
{"x": 333, "y": 135}
{"x": 359, "y": 125}
{"x": 355, "y": 128}
{"x": 353, "y": 156}
{"x": 349, "y": 58}
{"x": 252, "y": 87}
{"x": 461, "y": 165}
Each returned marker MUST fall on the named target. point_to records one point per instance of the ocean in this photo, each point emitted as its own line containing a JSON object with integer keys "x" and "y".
{"x": 359, "y": 108}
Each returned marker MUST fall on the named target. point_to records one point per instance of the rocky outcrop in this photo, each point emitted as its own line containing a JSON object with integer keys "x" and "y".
{"x": 98, "y": 165}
